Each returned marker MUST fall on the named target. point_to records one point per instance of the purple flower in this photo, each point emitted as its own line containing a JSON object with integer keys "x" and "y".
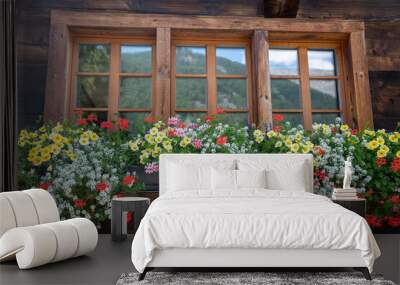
{"x": 180, "y": 132}
{"x": 193, "y": 126}
{"x": 173, "y": 121}
{"x": 151, "y": 168}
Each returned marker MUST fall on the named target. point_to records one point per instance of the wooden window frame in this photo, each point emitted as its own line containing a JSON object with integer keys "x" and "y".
{"x": 211, "y": 75}
{"x": 304, "y": 77}
{"x": 114, "y": 74}
{"x": 261, "y": 31}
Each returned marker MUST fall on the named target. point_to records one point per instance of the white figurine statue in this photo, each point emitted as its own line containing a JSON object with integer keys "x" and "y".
{"x": 347, "y": 174}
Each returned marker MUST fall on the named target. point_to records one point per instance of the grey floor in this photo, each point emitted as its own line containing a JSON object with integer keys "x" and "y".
{"x": 103, "y": 266}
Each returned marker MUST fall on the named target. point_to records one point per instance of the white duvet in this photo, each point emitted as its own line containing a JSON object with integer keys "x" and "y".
{"x": 253, "y": 218}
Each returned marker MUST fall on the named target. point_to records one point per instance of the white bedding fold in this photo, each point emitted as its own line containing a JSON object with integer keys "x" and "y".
{"x": 252, "y": 218}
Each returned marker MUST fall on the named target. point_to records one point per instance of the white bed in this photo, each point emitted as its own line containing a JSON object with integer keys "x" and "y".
{"x": 249, "y": 227}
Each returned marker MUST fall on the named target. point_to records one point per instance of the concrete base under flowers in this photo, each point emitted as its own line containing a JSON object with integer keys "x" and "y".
{"x": 389, "y": 262}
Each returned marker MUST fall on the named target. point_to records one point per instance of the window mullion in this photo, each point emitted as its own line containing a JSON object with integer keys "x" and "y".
{"x": 113, "y": 94}
{"x": 305, "y": 88}
{"x": 211, "y": 80}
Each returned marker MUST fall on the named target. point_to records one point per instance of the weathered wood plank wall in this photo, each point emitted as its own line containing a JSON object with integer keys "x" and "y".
{"x": 382, "y": 36}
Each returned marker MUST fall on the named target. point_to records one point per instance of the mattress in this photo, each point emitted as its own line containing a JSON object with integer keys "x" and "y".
{"x": 250, "y": 219}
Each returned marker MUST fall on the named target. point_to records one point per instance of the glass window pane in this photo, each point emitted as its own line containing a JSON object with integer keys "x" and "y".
{"x": 135, "y": 58}
{"x": 241, "y": 119}
{"x": 231, "y": 60}
{"x": 136, "y": 120}
{"x": 135, "y": 92}
{"x": 94, "y": 57}
{"x": 326, "y": 118}
{"x": 285, "y": 94}
{"x": 324, "y": 94}
{"x": 92, "y": 92}
{"x": 232, "y": 93}
{"x": 283, "y": 62}
{"x": 321, "y": 62}
{"x": 190, "y": 117}
{"x": 191, "y": 60}
{"x": 191, "y": 93}
{"x": 295, "y": 119}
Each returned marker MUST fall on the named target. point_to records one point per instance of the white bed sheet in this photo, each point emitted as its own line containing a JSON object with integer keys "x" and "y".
{"x": 251, "y": 218}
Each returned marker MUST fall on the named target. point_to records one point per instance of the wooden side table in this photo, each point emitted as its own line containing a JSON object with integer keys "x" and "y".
{"x": 357, "y": 205}
{"x": 119, "y": 208}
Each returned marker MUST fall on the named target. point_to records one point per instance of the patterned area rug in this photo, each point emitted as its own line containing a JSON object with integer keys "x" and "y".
{"x": 243, "y": 278}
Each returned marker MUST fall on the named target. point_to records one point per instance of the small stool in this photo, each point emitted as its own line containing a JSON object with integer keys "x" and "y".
{"x": 119, "y": 208}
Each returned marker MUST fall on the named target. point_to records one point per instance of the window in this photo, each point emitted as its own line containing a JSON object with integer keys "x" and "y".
{"x": 113, "y": 76}
{"x": 207, "y": 76}
{"x": 306, "y": 82}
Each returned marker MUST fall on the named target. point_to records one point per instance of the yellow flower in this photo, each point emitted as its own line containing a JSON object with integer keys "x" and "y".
{"x": 153, "y": 131}
{"x": 42, "y": 129}
{"x": 307, "y": 148}
{"x": 37, "y": 161}
{"x": 380, "y": 140}
{"x": 159, "y": 139}
{"x": 393, "y": 138}
{"x": 326, "y": 130}
{"x": 369, "y": 133}
{"x": 372, "y": 145}
{"x": 344, "y": 128}
{"x": 298, "y": 137}
{"x": 58, "y": 128}
{"x": 381, "y": 153}
{"x": 43, "y": 136}
{"x": 59, "y": 145}
{"x": 271, "y": 134}
{"x": 46, "y": 150}
{"x": 167, "y": 144}
{"x": 85, "y": 136}
{"x": 278, "y": 144}
{"x": 84, "y": 141}
{"x": 133, "y": 146}
{"x": 384, "y": 148}
{"x": 145, "y": 154}
{"x": 258, "y": 139}
{"x": 46, "y": 157}
{"x": 93, "y": 136}
{"x": 288, "y": 142}
{"x": 57, "y": 138}
{"x": 149, "y": 138}
{"x": 185, "y": 141}
{"x": 294, "y": 147}
{"x": 257, "y": 133}
{"x": 398, "y": 154}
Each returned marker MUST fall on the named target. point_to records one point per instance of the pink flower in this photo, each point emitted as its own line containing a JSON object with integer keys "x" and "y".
{"x": 151, "y": 168}
{"x": 173, "y": 121}
{"x": 180, "y": 133}
{"x": 197, "y": 143}
{"x": 193, "y": 126}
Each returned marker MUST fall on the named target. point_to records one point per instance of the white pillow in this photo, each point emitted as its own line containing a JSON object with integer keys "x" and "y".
{"x": 223, "y": 179}
{"x": 282, "y": 174}
{"x": 184, "y": 177}
{"x": 251, "y": 178}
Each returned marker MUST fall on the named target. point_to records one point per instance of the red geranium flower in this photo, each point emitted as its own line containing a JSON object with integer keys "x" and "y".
{"x": 319, "y": 150}
{"x": 221, "y": 140}
{"x": 380, "y": 161}
{"x": 395, "y": 199}
{"x": 354, "y": 132}
{"x": 395, "y": 167}
{"x": 92, "y": 118}
{"x": 120, "y": 194}
{"x": 220, "y": 111}
{"x": 393, "y": 222}
{"x": 171, "y": 133}
{"x": 101, "y": 186}
{"x": 80, "y": 203}
{"x": 106, "y": 125}
{"x": 278, "y": 117}
{"x": 129, "y": 217}
{"x": 81, "y": 122}
{"x": 123, "y": 124}
{"x": 44, "y": 186}
{"x": 181, "y": 126}
{"x": 149, "y": 120}
{"x": 128, "y": 180}
{"x": 277, "y": 129}
{"x": 320, "y": 174}
{"x": 208, "y": 119}
{"x": 374, "y": 221}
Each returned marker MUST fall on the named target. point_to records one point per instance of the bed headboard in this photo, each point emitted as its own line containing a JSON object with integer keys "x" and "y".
{"x": 211, "y": 159}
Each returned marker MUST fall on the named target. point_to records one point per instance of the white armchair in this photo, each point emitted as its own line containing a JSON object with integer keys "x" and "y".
{"x": 31, "y": 230}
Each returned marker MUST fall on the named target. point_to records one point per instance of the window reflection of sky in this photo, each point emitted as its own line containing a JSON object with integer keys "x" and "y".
{"x": 283, "y": 61}
{"x": 134, "y": 49}
{"x": 233, "y": 54}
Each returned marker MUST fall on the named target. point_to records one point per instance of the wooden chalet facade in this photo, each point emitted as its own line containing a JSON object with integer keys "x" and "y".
{"x": 359, "y": 43}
